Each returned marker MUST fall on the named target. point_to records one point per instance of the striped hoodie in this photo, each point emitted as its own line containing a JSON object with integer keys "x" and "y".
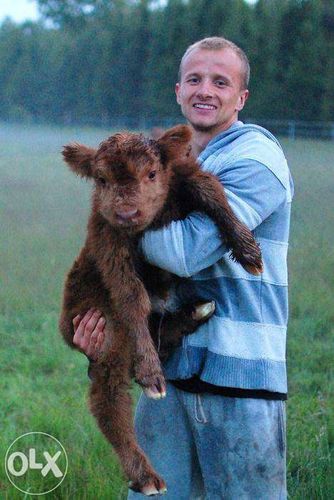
{"x": 244, "y": 344}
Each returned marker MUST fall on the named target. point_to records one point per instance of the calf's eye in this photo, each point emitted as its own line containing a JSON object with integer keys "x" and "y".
{"x": 152, "y": 175}
{"x": 101, "y": 181}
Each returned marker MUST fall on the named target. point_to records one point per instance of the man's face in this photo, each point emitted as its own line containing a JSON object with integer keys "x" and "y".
{"x": 209, "y": 92}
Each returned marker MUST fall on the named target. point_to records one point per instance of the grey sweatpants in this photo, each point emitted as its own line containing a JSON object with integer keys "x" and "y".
{"x": 214, "y": 447}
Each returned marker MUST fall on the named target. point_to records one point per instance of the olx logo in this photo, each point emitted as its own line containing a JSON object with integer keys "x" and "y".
{"x": 33, "y": 457}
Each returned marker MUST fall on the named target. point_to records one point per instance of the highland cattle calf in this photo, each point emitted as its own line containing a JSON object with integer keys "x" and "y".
{"x": 139, "y": 184}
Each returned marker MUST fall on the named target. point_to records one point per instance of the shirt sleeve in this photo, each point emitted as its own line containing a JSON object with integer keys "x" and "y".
{"x": 188, "y": 246}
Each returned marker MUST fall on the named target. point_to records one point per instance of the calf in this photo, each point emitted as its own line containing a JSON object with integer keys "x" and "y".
{"x": 139, "y": 183}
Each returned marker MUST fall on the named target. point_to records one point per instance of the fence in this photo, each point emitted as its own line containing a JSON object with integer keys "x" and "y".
{"x": 296, "y": 128}
{"x": 284, "y": 128}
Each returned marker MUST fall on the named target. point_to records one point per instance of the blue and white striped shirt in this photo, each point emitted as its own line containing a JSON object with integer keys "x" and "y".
{"x": 244, "y": 344}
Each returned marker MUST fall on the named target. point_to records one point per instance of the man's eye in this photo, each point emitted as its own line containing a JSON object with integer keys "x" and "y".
{"x": 192, "y": 80}
{"x": 152, "y": 175}
{"x": 220, "y": 83}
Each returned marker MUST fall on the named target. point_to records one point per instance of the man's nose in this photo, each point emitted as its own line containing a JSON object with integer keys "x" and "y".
{"x": 204, "y": 90}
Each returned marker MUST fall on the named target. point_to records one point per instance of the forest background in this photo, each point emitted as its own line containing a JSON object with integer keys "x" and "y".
{"x": 88, "y": 61}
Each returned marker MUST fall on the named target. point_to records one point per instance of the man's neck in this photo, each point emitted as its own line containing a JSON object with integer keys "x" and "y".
{"x": 199, "y": 142}
{"x": 200, "y": 139}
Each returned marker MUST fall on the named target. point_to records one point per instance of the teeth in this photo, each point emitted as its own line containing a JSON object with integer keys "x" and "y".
{"x": 204, "y": 106}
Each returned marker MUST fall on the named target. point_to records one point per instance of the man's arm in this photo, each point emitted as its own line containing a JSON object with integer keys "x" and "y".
{"x": 186, "y": 247}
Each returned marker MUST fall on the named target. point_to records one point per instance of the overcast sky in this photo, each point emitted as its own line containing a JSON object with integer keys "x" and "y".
{"x": 19, "y": 10}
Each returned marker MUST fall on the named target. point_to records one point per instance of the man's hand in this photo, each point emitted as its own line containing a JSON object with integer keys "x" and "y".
{"x": 89, "y": 333}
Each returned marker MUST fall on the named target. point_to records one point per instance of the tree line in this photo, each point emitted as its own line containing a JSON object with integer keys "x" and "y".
{"x": 92, "y": 60}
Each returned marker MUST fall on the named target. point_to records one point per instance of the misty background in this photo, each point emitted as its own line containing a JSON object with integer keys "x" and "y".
{"x": 92, "y": 61}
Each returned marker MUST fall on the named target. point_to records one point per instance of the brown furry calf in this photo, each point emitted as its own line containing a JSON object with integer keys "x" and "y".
{"x": 139, "y": 183}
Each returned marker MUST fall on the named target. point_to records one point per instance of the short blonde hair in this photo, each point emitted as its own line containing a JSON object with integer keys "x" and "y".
{"x": 217, "y": 43}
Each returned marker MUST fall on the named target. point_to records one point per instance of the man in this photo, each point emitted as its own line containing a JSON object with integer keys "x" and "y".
{"x": 220, "y": 432}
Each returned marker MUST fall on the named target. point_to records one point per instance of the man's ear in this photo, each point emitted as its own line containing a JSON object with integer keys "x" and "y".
{"x": 79, "y": 158}
{"x": 175, "y": 143}
{"x": 242, "y": 100}
{"x": 177, "y": 92}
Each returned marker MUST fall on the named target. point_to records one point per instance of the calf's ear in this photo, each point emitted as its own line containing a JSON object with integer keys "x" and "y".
{"x": 175, "y": 143}
{"x": 79, "y": 158}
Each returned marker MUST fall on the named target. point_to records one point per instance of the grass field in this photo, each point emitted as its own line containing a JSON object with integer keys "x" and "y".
{"x": 43, "y": 211}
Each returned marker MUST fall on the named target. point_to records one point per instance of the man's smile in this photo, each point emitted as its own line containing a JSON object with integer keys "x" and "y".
{"x": 198, "y": 105}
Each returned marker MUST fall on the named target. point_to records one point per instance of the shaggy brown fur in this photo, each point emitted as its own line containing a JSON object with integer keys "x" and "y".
{"x": 139, "y": 183}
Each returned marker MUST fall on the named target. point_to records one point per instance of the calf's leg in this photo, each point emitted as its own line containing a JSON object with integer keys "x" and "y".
{"x": 168, "y": 329}
{"x": 207, "y": 195}
{"x": 110, "y": 403}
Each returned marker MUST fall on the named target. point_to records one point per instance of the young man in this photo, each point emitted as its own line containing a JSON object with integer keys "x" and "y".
{"x": 220, "y": 432}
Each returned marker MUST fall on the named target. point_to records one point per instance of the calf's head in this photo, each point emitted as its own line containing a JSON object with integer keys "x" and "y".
{"x": 131, "y": 173}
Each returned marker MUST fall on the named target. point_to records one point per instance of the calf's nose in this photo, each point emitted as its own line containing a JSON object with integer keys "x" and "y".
{"x": 126, "y": 214}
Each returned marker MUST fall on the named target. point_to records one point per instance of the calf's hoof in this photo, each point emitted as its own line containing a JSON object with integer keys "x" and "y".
{"x": 154, "y": 393}
{"x": 157, "y": 390}
{"x": 152, "y": 486}
{"x": 255, "y": 270}
{"x": 153, "y": 384}
{"x": 203, "y": 311}
{"x": 246, "y": 251}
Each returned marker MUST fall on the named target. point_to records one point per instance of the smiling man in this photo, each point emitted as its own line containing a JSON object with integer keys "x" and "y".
{"x": 212, "y": 88}
{"x": 220, "y": 432}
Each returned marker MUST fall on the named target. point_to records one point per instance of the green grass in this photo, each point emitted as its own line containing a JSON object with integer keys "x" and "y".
{"x": 311, "y": 327}
{"x": 43, "y": 212}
